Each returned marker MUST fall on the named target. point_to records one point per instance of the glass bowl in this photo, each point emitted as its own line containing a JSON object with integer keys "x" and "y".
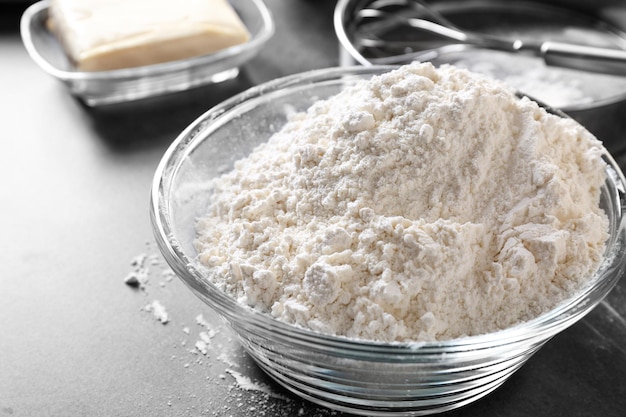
{"x": 114, "y": 86}
{"x": 361, "y": 377}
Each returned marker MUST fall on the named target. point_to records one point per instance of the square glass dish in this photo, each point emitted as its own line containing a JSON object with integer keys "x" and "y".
{"x": 121, "y": 85}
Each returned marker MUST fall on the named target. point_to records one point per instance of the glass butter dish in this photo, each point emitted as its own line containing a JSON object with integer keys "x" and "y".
{"x": 128, "y": 84}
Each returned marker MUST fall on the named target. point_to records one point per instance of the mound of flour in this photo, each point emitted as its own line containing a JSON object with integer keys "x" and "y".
{"x": 423, "y": 204}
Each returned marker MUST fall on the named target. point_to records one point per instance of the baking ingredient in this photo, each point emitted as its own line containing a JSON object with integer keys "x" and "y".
{"x": 424, "y": 204}
{"x": 562, "y": 88}
{"x": 209, "y": 355}
{"x": 159, "y": 311}
{"x": 112, "y": 34}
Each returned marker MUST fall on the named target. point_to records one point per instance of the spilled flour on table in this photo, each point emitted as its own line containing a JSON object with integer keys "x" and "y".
{"x": 247, "y": 384}
{"x": 203, "y": 348}
{"x": 158, "y": 310}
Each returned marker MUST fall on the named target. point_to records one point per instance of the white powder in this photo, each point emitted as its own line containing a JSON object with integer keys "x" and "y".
{"x": 558, "y": 87}
{"x": 423, "y": 204}
{"x": 160, "y": 313}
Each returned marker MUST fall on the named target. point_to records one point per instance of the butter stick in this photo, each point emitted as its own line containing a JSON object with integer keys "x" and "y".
{"x": 101, "y": 35}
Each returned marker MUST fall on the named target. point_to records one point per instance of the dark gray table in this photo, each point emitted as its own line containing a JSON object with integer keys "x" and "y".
{"x": 75, "y": 340}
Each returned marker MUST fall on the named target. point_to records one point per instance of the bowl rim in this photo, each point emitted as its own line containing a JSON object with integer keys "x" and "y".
{"x": 39, "y": 10}
{"x": 537, "y": 329}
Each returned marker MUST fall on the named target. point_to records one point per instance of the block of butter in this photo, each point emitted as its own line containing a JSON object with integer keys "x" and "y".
{"x": 103, "y": 35}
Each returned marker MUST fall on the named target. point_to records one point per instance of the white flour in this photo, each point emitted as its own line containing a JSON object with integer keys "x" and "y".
{"x": 557, "y": 87}
{"x": 424, "y": 204}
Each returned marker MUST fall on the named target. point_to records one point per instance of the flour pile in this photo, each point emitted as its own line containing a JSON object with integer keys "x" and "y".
{"x": 424, "y": 204}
